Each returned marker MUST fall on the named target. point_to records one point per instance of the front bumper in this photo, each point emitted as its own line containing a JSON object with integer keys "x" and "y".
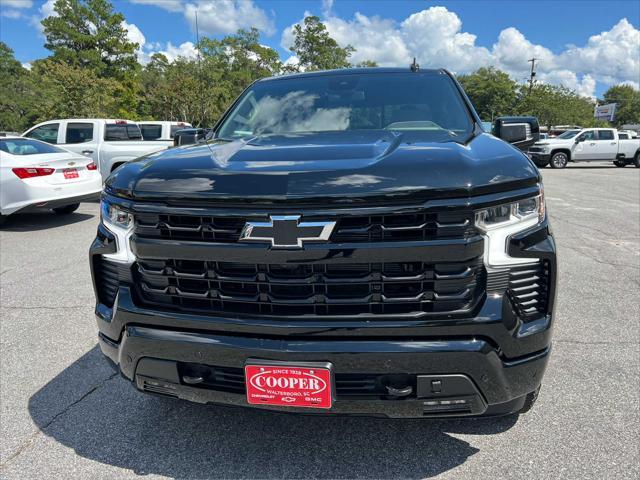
{"x": 154, "y": 359}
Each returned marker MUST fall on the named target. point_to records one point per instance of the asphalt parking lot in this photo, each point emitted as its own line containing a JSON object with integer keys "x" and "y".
{"x": 65, "y": 413}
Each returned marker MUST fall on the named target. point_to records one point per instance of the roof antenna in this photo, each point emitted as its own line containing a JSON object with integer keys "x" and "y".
{"x": 414, "y": 66}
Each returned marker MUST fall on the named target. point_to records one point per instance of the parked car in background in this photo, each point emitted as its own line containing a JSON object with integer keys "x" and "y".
{"x": 35, "y": 175}
{"x": 110, "y": 143}
{"x": 585, "y": 145}
{"x": 160, "y": 130}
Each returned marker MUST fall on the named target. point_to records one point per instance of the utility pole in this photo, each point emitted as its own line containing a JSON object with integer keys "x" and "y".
{"x": 533, "y": 72}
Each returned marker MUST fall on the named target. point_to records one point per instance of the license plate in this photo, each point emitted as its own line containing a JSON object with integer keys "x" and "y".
{"x": 289, "y": 385}
{"x": 70, "y": 173}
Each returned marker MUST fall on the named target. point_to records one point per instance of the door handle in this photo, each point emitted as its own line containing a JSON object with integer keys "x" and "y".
{"x": 87, "y": 152}
{"x": 613, "y": 143}
{"x": 592, "y": 143}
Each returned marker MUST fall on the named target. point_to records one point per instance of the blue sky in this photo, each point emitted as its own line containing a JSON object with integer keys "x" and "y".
{"x": 585, "y": 45}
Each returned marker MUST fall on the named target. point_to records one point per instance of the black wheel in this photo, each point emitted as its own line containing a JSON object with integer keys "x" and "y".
{"x": 636, "y": 160}
{"x": 559, "y": 160}
{"x": 3, "y": 218}
{"x": 620, "y": 163}
{"x": 66, "y": 209}
{"x": 529, "y": 401}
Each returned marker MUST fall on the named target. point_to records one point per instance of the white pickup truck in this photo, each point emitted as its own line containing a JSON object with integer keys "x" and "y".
{"x": 161, "y": 130}
{"x": 110, "y": 143}
{"x": 586, "y": 145}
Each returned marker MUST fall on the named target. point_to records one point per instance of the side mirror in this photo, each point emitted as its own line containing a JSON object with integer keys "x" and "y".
{"x": 579, "y": 139}
{"x": 189, "y": 136}
{"x": 521, "y": 132}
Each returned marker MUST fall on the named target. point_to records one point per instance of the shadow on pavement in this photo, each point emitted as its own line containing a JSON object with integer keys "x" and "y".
{"x": 31, "y": 222}
{"x": 103, "y": 418}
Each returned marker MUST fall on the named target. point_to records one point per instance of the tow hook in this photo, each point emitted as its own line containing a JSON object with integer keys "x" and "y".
{"x": 400, "y": 392}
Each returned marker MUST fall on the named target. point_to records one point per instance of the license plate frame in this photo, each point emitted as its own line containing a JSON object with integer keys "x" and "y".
{"x": 304, "y": 384}
{"x": 70, "y": 173}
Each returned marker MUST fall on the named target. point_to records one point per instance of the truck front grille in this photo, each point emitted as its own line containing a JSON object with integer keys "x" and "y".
{"x": 299, "y": 289}
{"x": 415, "y": 226}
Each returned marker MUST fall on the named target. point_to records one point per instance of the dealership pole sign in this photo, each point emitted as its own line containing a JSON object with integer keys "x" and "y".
{"x": 605, "y": 112}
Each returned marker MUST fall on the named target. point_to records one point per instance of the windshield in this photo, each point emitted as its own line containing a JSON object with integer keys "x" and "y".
{"x": 26, "y": 146}
{"x": 569, "y": 134}
{"x": 418, "y": 102}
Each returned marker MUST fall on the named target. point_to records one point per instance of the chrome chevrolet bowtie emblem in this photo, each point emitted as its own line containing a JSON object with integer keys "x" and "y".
{"x": 286, "y": 231}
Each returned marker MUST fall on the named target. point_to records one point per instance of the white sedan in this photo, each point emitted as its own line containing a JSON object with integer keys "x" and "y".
{"x": 35, "y": 175}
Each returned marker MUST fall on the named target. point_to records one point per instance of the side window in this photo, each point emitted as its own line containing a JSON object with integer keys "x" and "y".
{"x": 79, "y": 133}
{"x": 47, "y": 133}
{"x": 151, "y": 131}
{"x": 116, "y": 132}
{"x": 588, "y": 135}
{"x": 605, "y": 135}
{"x": 623, "y": 136}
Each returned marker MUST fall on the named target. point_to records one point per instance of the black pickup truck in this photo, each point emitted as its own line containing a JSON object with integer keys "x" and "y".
{"x": 345, "y": 242}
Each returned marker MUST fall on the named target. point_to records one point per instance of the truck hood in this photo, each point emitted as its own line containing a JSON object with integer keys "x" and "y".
{"x": 341, "y": 167}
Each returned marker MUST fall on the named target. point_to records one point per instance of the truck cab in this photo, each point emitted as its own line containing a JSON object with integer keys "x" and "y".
{"x": 109, "y": 142}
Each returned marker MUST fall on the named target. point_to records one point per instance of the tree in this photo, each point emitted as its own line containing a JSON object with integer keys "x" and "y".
{"x": 627, "y": 99}
{"x": 366, "y": 64}
{"x": 89, "y": 34}
{"x": 492, "y": 92}
{"x": 69, "y": 91}
{"x": 16, "y": 92}
{"x": 315, "y": 49}
{"x": 554, "y": 105}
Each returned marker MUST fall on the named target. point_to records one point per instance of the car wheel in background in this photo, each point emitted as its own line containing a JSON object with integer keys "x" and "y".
{"x": 620, "y": 163}
{"x": 636, "y": 160}
{"x": 66, "y": 209}
{"x": 559, "y": 160}
{"x": 3, "y": 218}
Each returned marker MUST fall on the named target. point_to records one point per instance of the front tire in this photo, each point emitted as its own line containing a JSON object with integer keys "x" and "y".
{"x": 636, "y": 160}
{"x": 559, "y": 160}
{"x": 67, "y": 209}
{"x": 620, "y": 163}
{"x": 3, "y": 218}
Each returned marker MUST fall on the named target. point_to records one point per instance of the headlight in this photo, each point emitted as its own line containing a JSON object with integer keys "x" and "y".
{"x": 113, "y": 215}
{"x": 120, "y": 223}
{"x": 511, "y": 213}
{"x": 500, "y": 222}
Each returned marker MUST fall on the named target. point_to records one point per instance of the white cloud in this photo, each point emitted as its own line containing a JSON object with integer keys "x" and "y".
{"x": 435, "y": 36}
{"x": 228, "y": 16}
{"x": 169, "y": 50}
{"x": 17, "y": 3}
{"x": 27, "y": 65}
{"x": 10, "y": 13}
{"x": 327, "y": 7}
{"x": 170, "y": 5}
{"x": 45, "y": 10}
{"x": 134, "y": 34}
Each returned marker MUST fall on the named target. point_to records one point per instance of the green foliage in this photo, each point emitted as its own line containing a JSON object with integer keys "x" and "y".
{"x": 316, "y": 50}
{"x": 628, "y": 100}
{"x": 366, "y": 64}
{"x": 491, "y": 91}
{"x": 554, "y": 105}
{"x": 71, "y": 91}
{"x": 16, "y": 93}
{"x": 89, "y": 34}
